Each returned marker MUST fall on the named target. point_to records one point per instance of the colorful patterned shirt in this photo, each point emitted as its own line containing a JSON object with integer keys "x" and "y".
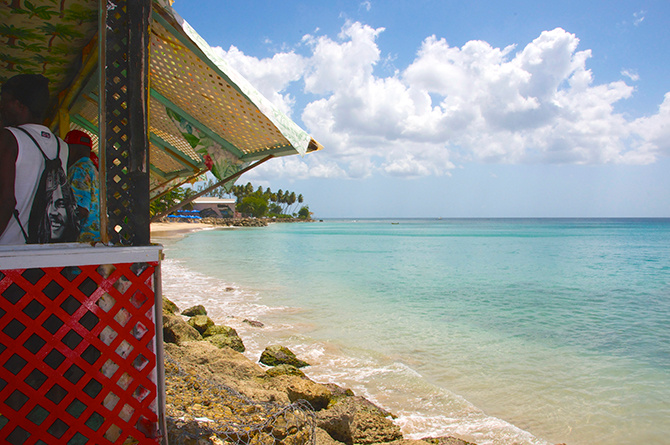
{"x": 85, "y": 185}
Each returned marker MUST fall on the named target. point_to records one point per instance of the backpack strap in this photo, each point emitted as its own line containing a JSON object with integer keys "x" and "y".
{"x": 38, "y": 145}
{"x": 16, "y": 211}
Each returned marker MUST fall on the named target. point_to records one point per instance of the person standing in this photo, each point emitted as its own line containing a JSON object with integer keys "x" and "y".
{"x": 85, "y": 183}
{"x": 23, "y": 103}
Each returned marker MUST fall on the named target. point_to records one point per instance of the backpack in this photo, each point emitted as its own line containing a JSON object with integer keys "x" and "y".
{"x": 53, "y": 219}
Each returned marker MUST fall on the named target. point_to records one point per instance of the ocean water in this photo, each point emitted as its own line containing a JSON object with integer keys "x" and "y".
{"x": 500, "y": 331}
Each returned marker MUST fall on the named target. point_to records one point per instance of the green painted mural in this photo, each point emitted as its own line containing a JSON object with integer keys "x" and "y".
{"x": 45, "y": 37}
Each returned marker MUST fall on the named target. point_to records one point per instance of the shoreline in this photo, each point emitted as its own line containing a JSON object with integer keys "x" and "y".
{"x": 333, "y": 367}
{"x": 176, "y": 229}
{"x": 230, "y": 383}
{"x": 230, "y": 304}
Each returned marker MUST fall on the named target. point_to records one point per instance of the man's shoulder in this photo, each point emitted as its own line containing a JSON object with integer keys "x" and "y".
{"x": 83, "y": 166}
{"x": 8, "y": 144}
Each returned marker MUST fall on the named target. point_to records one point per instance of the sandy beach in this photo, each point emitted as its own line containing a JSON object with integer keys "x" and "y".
{"x": 176, "y": 229}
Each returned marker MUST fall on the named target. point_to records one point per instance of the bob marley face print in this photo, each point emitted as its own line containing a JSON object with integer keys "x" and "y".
{"x": 61, "y": 224}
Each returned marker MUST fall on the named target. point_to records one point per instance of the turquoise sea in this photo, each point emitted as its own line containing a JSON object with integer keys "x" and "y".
{"x": 500, "y": 331}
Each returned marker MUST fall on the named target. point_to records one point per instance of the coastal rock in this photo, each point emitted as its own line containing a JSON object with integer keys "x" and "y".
{"x": 222, "y": 340}
{"x": 227, "y": 367}
{"x": 177, "y": 331}
{"x": 253, "y": 323}
{"x": 338, "y": 391}
{"x": 297, "y": 388}
{"x": 284, "y": 370}
{"x": 418, "y": 442}
{"x": 316, "y": 394}
{"x": 169, "y": 307}
{"x": 236, "y": 222}
{"x": 276, "y": 355}
{"x": 195, "y": 310}
{"x": 355, "y": 420}
{"x": 447, "y": 440}
{"x": 323, "y": 438}
{"x": 201, "y": 323}
{"x": 223, "y": 330}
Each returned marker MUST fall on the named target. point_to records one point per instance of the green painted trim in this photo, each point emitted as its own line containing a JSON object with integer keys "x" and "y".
{"x": 198, "y": 52}
{"x": 167, "y": 177}
{"x": 84, "y": 123}
{"x": 200, "y": 126}
{"x": 158, "y": 172}
{"x": 175, "y": 153}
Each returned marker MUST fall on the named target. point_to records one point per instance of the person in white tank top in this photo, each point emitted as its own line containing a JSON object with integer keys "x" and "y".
{"x": 24, "y": 100}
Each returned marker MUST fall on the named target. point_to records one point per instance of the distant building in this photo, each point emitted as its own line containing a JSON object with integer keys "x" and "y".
{"x": 223, "y": 208}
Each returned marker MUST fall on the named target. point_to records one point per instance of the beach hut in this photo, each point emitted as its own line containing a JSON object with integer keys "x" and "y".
{"x": 80, "y": 334}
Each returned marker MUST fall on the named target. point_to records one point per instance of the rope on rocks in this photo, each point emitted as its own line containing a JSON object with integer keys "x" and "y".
{"x": 200, "y": 411}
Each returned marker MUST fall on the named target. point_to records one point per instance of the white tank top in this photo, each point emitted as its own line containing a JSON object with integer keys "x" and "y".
{"x": 29, "y": 167}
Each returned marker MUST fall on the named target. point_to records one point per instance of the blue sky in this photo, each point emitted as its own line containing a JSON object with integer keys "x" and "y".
{"x": 461, "y": 109}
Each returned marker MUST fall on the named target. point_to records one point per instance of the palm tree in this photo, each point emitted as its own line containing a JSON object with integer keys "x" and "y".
{"x": 63, "y": 32}
{"x": 79, "y": 14}
{"x": 14, "y": 63}
{"x": 45, "y": 60}
{"x": 291, "y": 199}
{"x": 43, "y": 12}
{"x": 32, "y": 47}
{"x": 248, "y": 189}
{"x": 15, "y": 5}
{"x": 13, "y": 34}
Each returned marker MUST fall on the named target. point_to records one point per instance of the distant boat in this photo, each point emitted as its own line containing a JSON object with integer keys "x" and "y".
{"x": 395, "y": 223}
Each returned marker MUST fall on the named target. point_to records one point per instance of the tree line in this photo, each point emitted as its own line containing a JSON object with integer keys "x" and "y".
{"x": 257, "y": 202}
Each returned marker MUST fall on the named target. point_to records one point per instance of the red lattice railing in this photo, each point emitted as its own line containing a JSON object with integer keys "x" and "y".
{"x": 77, "y": 355}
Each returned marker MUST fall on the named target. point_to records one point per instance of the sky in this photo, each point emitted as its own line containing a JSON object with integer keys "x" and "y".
{"x": 430, "y": 108}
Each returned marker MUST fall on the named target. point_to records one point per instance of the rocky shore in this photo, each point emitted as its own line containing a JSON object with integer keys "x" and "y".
{"x": 216, "y": 395}
{"x": 237, "y": 222}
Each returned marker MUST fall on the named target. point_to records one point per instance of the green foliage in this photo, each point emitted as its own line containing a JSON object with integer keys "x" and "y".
{"x": 170, "y": 199}
{"x": 257, "y": 201}
{"x": 304, "y": 212}
{"x": 274, "y": 209}
{"x": 254, "y": 205}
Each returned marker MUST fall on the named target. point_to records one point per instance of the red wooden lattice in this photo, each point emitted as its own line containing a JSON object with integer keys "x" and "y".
{"x": 77, "y": 355}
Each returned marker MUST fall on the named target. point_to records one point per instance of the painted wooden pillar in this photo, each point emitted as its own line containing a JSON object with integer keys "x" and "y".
{"x": 124, "y": 144}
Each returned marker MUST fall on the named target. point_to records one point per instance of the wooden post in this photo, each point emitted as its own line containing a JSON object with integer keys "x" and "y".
{"x": 124, "y": 141}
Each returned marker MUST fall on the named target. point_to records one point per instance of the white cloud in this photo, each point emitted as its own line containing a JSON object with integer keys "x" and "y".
{"x": 269, "y": 76}
{"x": 639, "y": 17}
{"x": 366, "y": 5}
{"x": 535, "y": 104}
{"x": 631, "y": 74}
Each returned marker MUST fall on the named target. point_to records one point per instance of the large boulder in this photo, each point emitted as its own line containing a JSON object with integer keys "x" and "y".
{"x": 323, "y": 438}
{"x": 301, "y": 388}
{"x": 195, "y": 310}
{"x": 277, "y": 355}
{"x": 284, "y": 370}
{"x": 201, "y": 323}
{"x": 304, "y": 389}
{"x": 177, "y": 331}
{"x": 222, "y": 340}
{"x": 355, "y": 420}
{"x": 226, "y": 367}
{"x": 225, "y": 330}
{"x": 169, "y": 307}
